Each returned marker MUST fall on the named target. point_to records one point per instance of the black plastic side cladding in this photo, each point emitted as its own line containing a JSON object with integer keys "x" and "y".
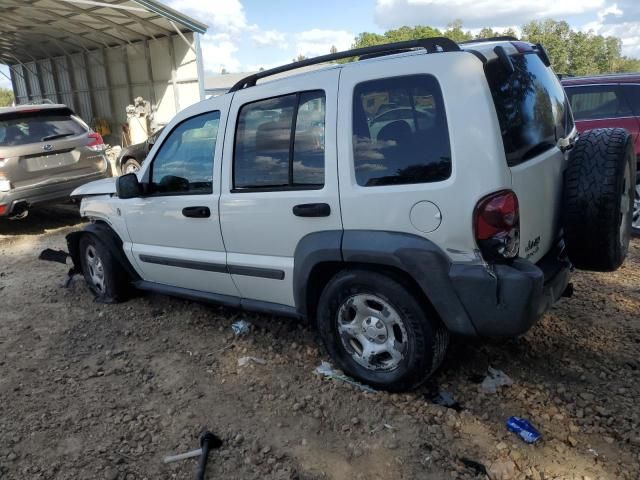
{"x": 421, "y": 259}
{"x": 313, "y": 249}
{"x": 109, "y": 238}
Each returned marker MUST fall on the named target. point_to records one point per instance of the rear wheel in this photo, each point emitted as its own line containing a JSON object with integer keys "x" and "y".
{"x": 378, "y": 332}
{"x": 598, "y": 199}
{"x": 104, "y": 276}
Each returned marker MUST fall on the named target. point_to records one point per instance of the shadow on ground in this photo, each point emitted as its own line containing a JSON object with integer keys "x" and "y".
{"x": 41, "y": 219}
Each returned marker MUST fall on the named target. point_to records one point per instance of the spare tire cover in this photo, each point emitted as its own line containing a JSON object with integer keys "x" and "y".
{"x": 598, "y": 199}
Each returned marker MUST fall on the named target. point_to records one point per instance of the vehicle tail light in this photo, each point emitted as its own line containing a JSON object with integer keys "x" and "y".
{"x": 95, "y": 142}
{"x": 496, "y": 223}
{"x": 4, "y": 209}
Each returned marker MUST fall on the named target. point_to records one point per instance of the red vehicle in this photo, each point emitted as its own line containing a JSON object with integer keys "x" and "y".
{"x": 608, "y": 101}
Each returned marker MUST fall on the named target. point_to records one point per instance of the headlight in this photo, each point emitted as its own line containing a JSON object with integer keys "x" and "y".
{"x": 5, "y": 185}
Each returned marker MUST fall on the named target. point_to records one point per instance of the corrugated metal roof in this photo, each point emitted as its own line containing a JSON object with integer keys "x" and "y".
{"x": 36, "y": 29}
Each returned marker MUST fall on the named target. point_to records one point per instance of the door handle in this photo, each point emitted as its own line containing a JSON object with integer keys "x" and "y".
{"x": 196, "y": 212}
{"x": 312, "y": 210}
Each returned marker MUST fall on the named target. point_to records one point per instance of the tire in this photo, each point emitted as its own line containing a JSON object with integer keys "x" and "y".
{"x": 368, "y": 305}
{"x": 130, "y": 165}
{"x": 635, "y": 225}
{"x": 598, "y": 199}
{"x": 104, "y": 276}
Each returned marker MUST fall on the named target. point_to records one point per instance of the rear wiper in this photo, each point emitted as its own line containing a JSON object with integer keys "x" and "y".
{"x": 57, "y": 135}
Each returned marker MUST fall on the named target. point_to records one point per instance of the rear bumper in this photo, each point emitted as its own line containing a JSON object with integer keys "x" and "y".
{"x": 510, "y": 301}
{"x": 19, "y": 200}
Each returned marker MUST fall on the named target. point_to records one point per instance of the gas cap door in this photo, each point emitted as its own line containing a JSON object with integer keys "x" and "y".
{"x": 425, "y": 216}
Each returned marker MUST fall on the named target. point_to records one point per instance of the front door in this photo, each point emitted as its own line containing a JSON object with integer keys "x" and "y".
{"x": 175, "y": 228}
{"x": 279, "y": 179}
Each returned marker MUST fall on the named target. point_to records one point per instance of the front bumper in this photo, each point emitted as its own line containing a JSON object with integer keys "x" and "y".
{"x": 509, "y": 301}
{"x": 21, "y": 199}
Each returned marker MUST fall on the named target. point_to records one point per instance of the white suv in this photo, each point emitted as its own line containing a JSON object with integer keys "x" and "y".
{"x": 426, "y": 188}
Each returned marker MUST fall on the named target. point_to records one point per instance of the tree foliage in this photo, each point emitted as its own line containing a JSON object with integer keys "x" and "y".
{"x": 6, "y": 97}
{"x": 571, "y": 51}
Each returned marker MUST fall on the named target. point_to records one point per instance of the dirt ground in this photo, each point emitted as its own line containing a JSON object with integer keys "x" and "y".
{"x": 106, "y": 391}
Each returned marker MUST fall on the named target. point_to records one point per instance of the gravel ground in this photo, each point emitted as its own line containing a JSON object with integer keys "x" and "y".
{"x": 106, "y": 391}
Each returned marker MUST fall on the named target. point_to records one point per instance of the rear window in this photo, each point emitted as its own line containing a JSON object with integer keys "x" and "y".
{"x": 531, "y": 106}
{"x": 592, "y": 102}
{"x": 21, "y": 128}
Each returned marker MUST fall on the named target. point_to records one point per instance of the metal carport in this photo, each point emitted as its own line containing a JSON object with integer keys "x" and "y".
{"x": 97, "y": 56}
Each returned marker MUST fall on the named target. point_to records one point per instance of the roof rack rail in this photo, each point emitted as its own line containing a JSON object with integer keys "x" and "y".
{"x": 431, "y": 45}
{"x": 500, "y": 38}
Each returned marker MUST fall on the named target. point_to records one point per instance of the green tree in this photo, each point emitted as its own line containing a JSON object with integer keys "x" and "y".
{"x": 456, "y": 33}
{"x": 333, "y": 49}
{"x": 570, "y": 51}
{"x": 6, "y": 97}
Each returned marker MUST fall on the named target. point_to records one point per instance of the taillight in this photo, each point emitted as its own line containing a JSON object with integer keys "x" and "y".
{"x": 4, "y": 209}
{"x": 496, "y": 223}
{"x": 95, "y": 142}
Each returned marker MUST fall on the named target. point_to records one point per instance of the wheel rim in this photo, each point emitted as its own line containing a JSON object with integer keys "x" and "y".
{"x": 625, "y": 207}
{"x": 95, "y": 267}
{"x": 372, "y": 332}
{"x": 636, "y": 208}
{"x": 131, "y": 168}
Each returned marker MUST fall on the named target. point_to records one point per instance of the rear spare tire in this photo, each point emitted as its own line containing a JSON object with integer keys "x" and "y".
{"x": 598, "y": 199}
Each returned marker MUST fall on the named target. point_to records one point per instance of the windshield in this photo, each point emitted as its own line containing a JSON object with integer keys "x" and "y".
{"x": 531, "y": 106}
{"x": 21, "y": 128}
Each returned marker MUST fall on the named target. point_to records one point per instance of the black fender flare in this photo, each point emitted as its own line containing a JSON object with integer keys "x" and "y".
{"x": 109, "y": 238}
{"x": 416, "y": 256}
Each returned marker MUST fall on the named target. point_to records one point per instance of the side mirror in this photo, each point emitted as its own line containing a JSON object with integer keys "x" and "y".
{"x": 127, "y": 186}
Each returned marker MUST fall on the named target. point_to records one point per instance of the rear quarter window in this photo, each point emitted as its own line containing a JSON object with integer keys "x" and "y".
{"x": 531, "y": 107}
{"x": 400, "y": 132}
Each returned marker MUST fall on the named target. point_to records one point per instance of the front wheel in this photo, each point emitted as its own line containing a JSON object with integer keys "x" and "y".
{"x": 378, "y": 332}
{"x": 104, "y": 276}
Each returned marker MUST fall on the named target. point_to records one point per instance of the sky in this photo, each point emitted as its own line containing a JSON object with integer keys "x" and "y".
{"x": 245, "y": 35}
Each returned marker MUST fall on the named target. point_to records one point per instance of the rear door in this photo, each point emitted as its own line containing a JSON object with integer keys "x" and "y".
{"x": 48, "y": 145}
{"x": 279, "y": 179}
{"x": 534, "y": 118}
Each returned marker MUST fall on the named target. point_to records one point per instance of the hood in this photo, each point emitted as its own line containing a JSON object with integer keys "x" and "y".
{"x": 106, "y": 186}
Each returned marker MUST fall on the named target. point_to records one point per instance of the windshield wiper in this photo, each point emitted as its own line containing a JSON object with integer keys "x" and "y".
{"x": 57, "y": 135}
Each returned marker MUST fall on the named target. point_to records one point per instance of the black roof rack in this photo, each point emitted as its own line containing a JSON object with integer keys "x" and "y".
{"x": 431, "y": 45}
{"x": 501, "y": 38}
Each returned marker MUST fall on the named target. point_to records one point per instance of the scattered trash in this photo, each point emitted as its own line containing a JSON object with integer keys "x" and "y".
{"x": 327, "y": 370}
{"x": 183, "y": 456}
{"x": 477, "y": 467}
{"x": 240, "y": 328}
{"x": 51, "y": 255}
{"x": 494, "y": 380}
{"x": 524, "y": 429}
{"x": 244, "y": 361}
{"x": 592, "y": 452}
{"x": 208, "y": 441}
{"x": 444, "y": 399}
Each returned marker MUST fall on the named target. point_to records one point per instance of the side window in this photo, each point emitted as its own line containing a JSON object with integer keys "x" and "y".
{"x": 400, "y": 132}
{"x": 184, "y": 163}
{"x": 598, "y": 101}
{"x": 632, "y": 95}
{"x": 279, "y": 143}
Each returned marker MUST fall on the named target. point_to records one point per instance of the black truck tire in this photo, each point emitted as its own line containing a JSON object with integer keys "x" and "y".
{"x": 598, "y": 199}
